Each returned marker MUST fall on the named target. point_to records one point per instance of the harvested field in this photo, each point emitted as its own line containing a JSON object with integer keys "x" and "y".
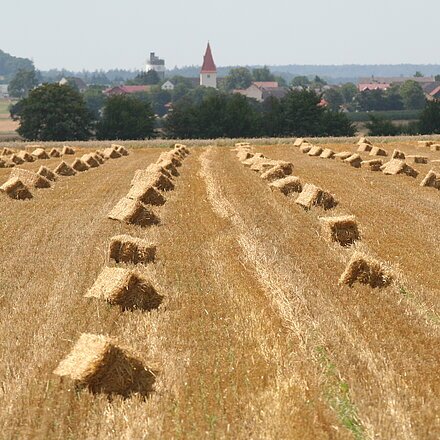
{"x": 253, "y": 336}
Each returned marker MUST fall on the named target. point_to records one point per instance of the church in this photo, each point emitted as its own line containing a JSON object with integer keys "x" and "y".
{"x": 208, "y": 73}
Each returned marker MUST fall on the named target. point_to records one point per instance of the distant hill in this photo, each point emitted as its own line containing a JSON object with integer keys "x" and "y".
{"x": 9, "y": 64}
{"x": 332, "y": 73}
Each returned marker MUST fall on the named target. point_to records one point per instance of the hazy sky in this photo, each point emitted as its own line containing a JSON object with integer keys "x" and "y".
{"x": 103, "y": 34}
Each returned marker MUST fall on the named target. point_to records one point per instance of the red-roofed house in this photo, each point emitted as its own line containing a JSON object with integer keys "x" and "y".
{"x": 126, "y": 90}
{"x": 261, "y": 90}
{"x": 208, "y": 73}
{"x": 373, "y": 86}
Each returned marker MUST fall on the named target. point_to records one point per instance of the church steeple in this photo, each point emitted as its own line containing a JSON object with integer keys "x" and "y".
{"x": 208, "y": 73}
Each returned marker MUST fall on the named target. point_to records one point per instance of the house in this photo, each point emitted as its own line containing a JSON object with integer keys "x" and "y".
{"x": 432, "y": 91}
{"x": 261, "y": 90}
{"x": 363, "y": 87}
{"x": 208, "y": 73}
{"x": 167, "y": 85}
{"x": 75, "y": 82}
{"x": 156, "y": 64}
{"x": 4, "y": 91}
{"x": 126, "y": 90}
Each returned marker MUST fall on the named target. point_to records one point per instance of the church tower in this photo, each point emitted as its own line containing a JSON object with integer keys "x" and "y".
{"x": 208, "y": 74}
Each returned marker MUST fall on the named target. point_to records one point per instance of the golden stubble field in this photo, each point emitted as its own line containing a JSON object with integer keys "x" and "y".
{"x": 254, "y": 337}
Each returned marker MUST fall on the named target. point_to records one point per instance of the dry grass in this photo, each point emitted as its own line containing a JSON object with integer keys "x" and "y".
{"x": 254, "y": 338}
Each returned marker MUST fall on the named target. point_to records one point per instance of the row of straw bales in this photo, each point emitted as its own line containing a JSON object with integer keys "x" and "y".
{"x": 97, "y": 362}
{"x": 342, "y": 230}
{"x": 21, "y": 182}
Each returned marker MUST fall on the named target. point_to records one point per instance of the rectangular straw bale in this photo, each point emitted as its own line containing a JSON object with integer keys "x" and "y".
{"x": 432, "y": 179}
{"x": 168, "y": 165}
{"x": 30, "y": 179}
{"x": 372, "y": 165}
{"x": 97, "y": 364}
{"x": 243, "y": 155}
{"x": 343, "y": 155}
{"x": 123, "y": 287}
{"x": 298, "y": 142}
{"x": 79, "y": 165}
{"x": 425, "y": 143}
{"x": 397, "y": 154}
{"x": 55, "y": 152}
{"x": 16, "y": 159}
{"x": 47, "y": 173}
{"x": 146, "y": 193}
{"x": 133, "y": 212}
{"x": 365, "y": 270}
{"x": 23, "y": 154}
{"x": 263, "y": 165}
{"x": 312, "y": 195}
{"x": 168, "y": 155}
{"x": 6, "y": 152}
{"x": 16, "y": 189}
{"x": 159, "y": 181}
{"x": 397, "y": 166}
{"x": 377, "y": 151}
{"x": 67, "y": 150}
{"x": 120, "y": 149}
{"x": 2, "y": 163}
{"x": 90, "y": 161}
{"x": 63, "y": 169}
{"x": 279, "y": 171}
{"x": 288, "y": 185}
{"x": 363, "y": 148}
{"x": 364, "y": 140}
{"x": 98, "y": 158}
{"x": 305, "y": 148}
{"x": 255, "y": 158}
{"x": 154, "y": 168}
{"x": 111, "y": 153}
{"x": 435, "y": 147}
{"x": 315, "y": 151}
{"x": 413, "y": 159}
{"x": 127, "y": 249}
{"x": 343, "y": 229}
{"x": 354, "y": 160}
{"x": 327, "y": 153}
{"x": 40, "y": 153}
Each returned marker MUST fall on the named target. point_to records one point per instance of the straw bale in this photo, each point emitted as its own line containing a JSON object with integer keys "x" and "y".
{"x": 124, "y": 288}
{"x": 288, "y": 185}
{"x": 177, "y": 161}
{"x": 30, "y": 179}
{"x": 432, "y": 179}
{"x": 255, "y": 158}
{"x": 40, "y": 153}
{"x": 16, "y": 159}
{"x": 364, "y": 140}
{"x": 312, "y": 195}
{"x": 168, "y": 165}
{"x": 111, "y": 153}
{"x": 2, "y": 163}
{"x": 96, "y": 363}
{"x": 146, "y": 193}
{"x": 133, "y": 212}
{"x": 279, "y": 171}
{"x": 363, "y": 148}
{"x": 79, "y": 165}
{"x": 90, "y": 160}
{"x": 416, "y": 159}
{"x": 16, "y": 189}
{"x": 120, "y": 149}
{"x": 67, "y": 150}
{"x": 315, "y": 151}
{"x": 377, "y": 151}
{"x": 397, "y": 166}
{"x": 327, "y": 154}
{"x": 23, "y": 154}
{"x": 98, "y": 158}
{"x": 6, "y": 152}
{"x": 397, "y": 154}
{"x": 263, "y": 165}
{"x": 435, "y": 147}
{"x": 343, "y": 155}
{"x": 298, "y": 142}
{"x": 354, "y": 160}
{"x": 7, "y": 164}
{"x": 47, "y": 173}
{"x": 55, "y": 152}
{"x": 305, "y": 148}
{"x": 343, "y": 229}
{"x": 365, "y": 270}
{"x": 243, "y": 155}
{"x": 159, "y": 181}
{"x": 425, "y": 143}
{"x": 127, "y": 249}
{"x": 155, "y": 168}
{"x": 63, "y": 169}
{"x": 372, "y": 165}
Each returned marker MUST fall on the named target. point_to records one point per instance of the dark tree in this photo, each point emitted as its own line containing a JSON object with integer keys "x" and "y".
{"x": 149, "y": 78}
{"x": 53, "y": 113}
{"x": 95, "y": 100}
{"x": 262, "y": 74}
{"x": 23, "y": 81}
{"x": 238, "y": 78}
{"x": 126, "y": 117}
{"x": 429, "y": 122}
{"x": 272, "y": 117}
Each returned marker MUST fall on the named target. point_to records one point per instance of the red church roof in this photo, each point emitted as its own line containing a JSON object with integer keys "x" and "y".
{"x": 208, "y": 62}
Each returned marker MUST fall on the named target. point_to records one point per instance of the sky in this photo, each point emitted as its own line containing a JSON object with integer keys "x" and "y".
{"x": 106, "y": 34}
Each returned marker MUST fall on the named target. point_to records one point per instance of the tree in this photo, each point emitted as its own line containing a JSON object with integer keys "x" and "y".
{"x": 126, "y": 117}
{"x": 262, "y": 74}
{"x": 272, "y": 117}
{"x": 238, "y": 78}
{"x": 429, "y": 122}
{"x": 336, "y": 124}
{"x": 95, "y": 99}
{"x": 334, "y": 98}
{"x": 412, "y": 95}
{"x": 418, "y": 75}
{"x": 437, "y": 78}
{"x": 348, "y": 91}
{"x": 53, "y": 113}
{"x": 23, "y": 81}
{"x": 10, "y": 65}
{"x": 300, "y": 81}
{"x": 241, "y": 117}
{"x": 145, "y": 79}
{"x": 378, "y": 126}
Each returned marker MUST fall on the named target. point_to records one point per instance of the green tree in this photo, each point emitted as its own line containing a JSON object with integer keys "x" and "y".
{"x": 262, "y": 74}
{"x": 336, "y": 124}
{"x": 412, "y": 95}
{"x": 334, "y": 98}
{"x": 181, "y": 123}
{"x": 272, "y": 117}
{"x": 53, "y": 113}
{"x": 126, "y": 117}
{"x": 281, "y": 81}
{"x": 238, "y": 78}
{"x": 23, "y": 81}
{"x": 349, "y": 91}
{"x": 241, "y": 118}
{"x": 418, "y": 75}
{"x": 145, "y": 79}
{"x": 429, "y": 122}
{"x": 378, "y": 126}
{"x": 300, "y": 81}
{"x": 437, "y": 78}
{"x": 95, "y": 99}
